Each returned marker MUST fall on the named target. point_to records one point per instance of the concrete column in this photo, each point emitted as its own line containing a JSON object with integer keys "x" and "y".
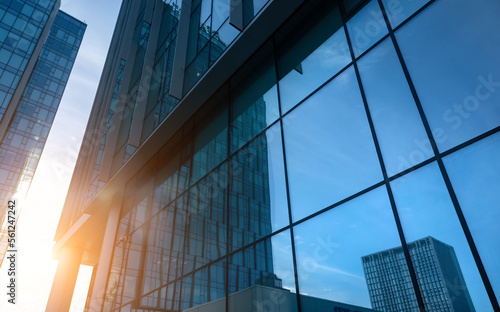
{"x": 65, "y": 280}
{"x": 105, "y": 257}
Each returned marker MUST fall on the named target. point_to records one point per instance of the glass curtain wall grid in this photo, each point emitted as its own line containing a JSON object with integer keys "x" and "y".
{"x": 27, "y": 133}
{"x": 21, "y": 24}
{"x": 369, "y": 128}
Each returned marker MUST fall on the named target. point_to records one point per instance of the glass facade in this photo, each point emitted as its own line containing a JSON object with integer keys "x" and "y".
{"x": 21, "y": 24}
{"x": 351, "y": 164}
{"x": 26, "y": 135}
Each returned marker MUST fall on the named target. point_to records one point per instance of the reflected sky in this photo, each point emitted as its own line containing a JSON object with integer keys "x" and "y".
{"x": 455, "y": 67}
{"x": 399, "y": 10}
{"x": 308, "y": 74}
{"x": 366, "y": 27}
{"x": 330, "y": 151}
{"x": 474, "y": 174}
{"x": 398, "y": 126}
{"x": 425, "y": 209}
{"x": 329, "y": 247}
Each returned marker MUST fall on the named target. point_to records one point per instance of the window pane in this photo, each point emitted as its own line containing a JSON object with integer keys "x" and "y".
{"x": 331, "y": 250}
{"x": 399, "y": 129}
{"x": 446, "y": 271}
{"x": 329, "y": 146}
{"x": 262, "y": 275}
{"x": 258, "y": 203}
{"x": 366, "y": 27}
{"x": 455, "y": 67}
{"x": 312, "y": 58}
{"x": 206, "y": 220}
{"x": 254, "y": 99}
{"x": 474, "y": 173}
{"x": 399, "y": 10}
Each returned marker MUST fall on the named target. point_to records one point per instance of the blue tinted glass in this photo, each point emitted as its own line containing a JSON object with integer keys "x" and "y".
{"x": 399, "y": 129}
{"x": 329, "y": 147}
{"x": 206, "y": 10}
{"x": 254, "y": 100}
{"x": 331, "y": 250}
{"x": 455, "y": 67}
{"x": 263, "y": 273}
{"x": 441, "y": 256}
{"x": 399, "y": 10}
{"x": 220, "y": 13}
{"x": 474, "y": 173}
{"x": 258, "y": 203}
{"x": 366, "y": 27}
{"x": 310, "y": 63}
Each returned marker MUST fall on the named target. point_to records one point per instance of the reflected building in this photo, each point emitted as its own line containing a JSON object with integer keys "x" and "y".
{"x": 39, "y": 44}
{"x": 251, "y": 151}
{"x": 439, "y": 277}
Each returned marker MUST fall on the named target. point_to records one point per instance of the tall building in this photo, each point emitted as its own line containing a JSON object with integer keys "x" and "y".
{"x": 439, "y": 276}
{"x": 254, "y": 151}
{"x": 38, "y": 46}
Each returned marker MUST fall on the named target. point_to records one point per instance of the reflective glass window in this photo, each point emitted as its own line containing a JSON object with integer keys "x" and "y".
{"x": 311, "y": 57}
{"x": 258, "y": 202}
{"x": 399, "y": 10}
{"x": 329, "y": 147}
{"x": 254, "y": 100}
{"x": 400, "y": 132}
{"x": 210, "y": 144}
{"x": 206, "y": 220}
{"x": 455, "y": 67}
{"x": 475, "y": 176}
{"x": 366, "y": 27}
{"x": 335, "y": 253}
{"x": 437, "y": 243}
{"x": 262, "y": 275}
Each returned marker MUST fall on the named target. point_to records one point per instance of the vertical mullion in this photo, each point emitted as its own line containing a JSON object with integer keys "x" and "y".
{"x": 290, "y": 221}
{"x": 444, "y": 173}
{"x": 399, "y": 226}
{"x": 228, "y": 188}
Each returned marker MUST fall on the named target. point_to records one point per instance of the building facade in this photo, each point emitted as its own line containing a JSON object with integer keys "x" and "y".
{"x": 39, "y": 44}
{"x": 239, "y": 147}
{"x": 439, "y": 276}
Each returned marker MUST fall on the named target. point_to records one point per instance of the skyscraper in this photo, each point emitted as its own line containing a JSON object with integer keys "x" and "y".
{"x": 39, "y": 45}
{"x": 259, "y": 149}
{"x": 439, "y": 276}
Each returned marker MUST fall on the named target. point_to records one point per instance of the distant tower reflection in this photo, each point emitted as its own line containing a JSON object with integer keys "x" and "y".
{"x": 438, "y": 272}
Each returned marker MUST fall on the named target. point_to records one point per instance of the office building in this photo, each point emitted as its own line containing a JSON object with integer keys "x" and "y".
{"x": 236, "y": 146}
{"x": 39, "y": 44}
{"x": 439, "y": 277}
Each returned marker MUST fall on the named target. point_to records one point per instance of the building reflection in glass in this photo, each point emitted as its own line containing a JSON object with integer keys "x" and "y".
{"x": 438, "y": 272}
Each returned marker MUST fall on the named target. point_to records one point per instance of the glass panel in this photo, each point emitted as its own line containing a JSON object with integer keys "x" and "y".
{"x": 220, "y": 13}
{"x": 262, "y": 276}
{"x": 258, "y": 203}
{"x": 474, "y": 173}
{"x": 210, "y": 142}
{"x": 315, "y": 55}
{"x": 366, "y": 27}
{"x": 208, "y": 284}
{"x": 254, "y": 100}
{"x": 329, "y": 146}
{"x": 399, "y": 129}
{"x": 206, "y": 220}
{"x": 455, "y": 67}
{"x": 446, "y": 271}
{"x": 399, "y": 10}
{"x": 334, "y": 249}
